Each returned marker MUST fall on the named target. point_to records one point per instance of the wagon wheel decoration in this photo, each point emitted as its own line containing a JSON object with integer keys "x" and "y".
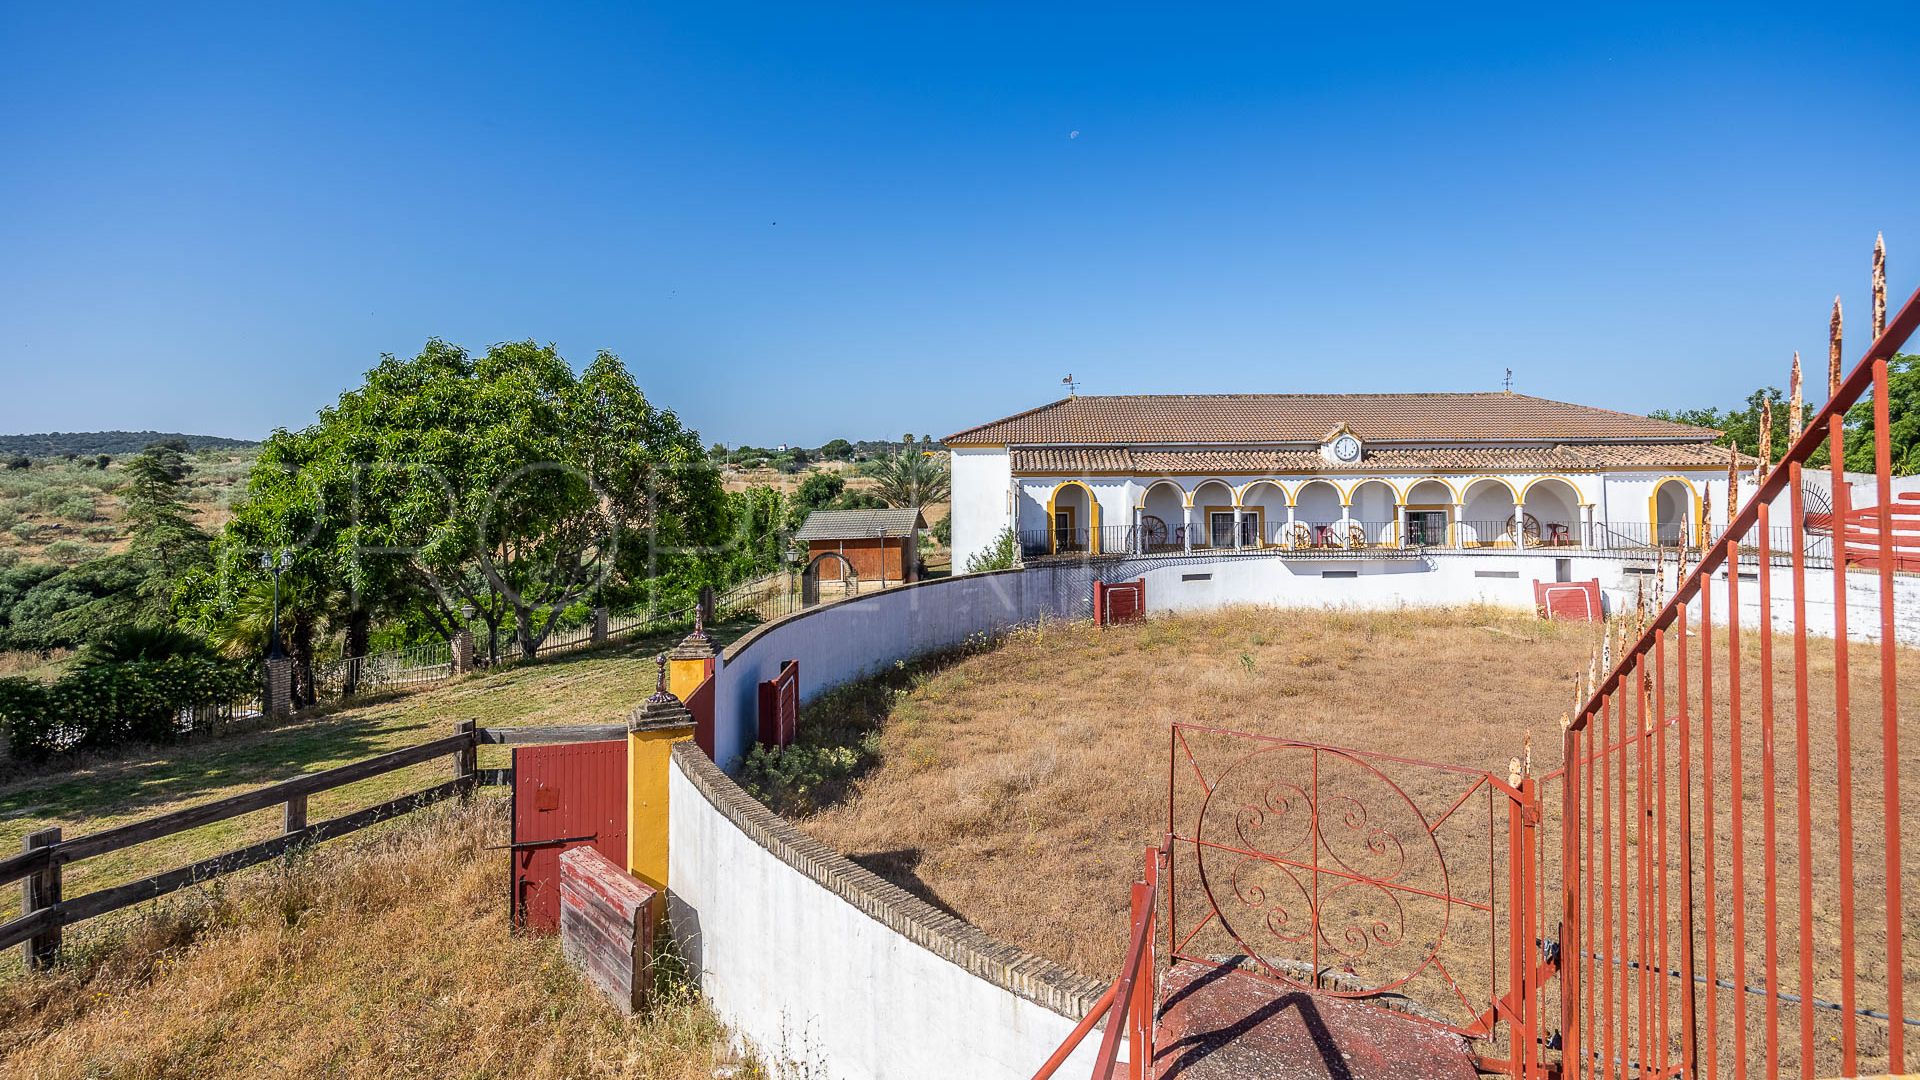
{"x": 1356, "y": 536}
{"x": 1312, "y": 854}
{"x": 1302, "y": 536}
{"x": 1532, "y": 528}
{"x": 1153, "y": 532}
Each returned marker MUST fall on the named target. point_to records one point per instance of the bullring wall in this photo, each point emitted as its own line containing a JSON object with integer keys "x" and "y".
{"x": 830, "y": 970}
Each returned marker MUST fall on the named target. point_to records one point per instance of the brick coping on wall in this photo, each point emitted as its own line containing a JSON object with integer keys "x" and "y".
{"x": 1013, "y": 969}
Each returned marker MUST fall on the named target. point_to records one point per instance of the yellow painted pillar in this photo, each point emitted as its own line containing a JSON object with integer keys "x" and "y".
{"x": 689, "y": 662}
{"x": 652, "y": 729}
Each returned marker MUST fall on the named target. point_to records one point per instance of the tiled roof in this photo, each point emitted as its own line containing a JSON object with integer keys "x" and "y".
{"x": 855, "y": 524}
{"x": 1281, "y": 418}
{"x": 1557, "y": 458}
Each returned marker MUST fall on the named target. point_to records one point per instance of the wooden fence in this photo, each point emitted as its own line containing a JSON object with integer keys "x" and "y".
{"x": 45, "y": 912}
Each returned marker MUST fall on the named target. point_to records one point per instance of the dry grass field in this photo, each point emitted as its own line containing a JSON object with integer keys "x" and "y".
{"x": 68, "y": 512}
{"x": 1018, "y": 786}
{"x": 385, "y": 955}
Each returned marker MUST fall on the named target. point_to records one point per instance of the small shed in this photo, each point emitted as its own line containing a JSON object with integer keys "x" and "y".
{"x": 880, "y": 545}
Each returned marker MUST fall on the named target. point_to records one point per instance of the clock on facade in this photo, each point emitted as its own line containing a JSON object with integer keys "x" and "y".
{"x": 1346, "y": 448}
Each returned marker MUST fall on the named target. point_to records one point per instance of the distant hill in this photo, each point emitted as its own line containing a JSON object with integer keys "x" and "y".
{"x": 58, "y": 443}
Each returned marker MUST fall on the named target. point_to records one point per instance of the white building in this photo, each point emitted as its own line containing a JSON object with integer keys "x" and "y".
{"x": 1363, "y": 478}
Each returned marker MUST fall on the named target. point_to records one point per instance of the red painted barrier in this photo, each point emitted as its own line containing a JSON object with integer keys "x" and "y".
{"x": 780, "y": 706}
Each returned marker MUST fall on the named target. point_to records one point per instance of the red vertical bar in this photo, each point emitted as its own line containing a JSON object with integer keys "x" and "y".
{"x": 1606, "y": 957}
{"x": 1571, "y": 964}
{"x": 1689, "y": 1029}
{"x": 1587, "y": 958}
{"x": 1710, "y": 928}
{"x": 1626, "y": 928}
{"x": 1843, "y": 740}
{"x": 1889, "y": 720}
{"x": 1661, "y": 1032}
{"x": 1737, "y": 805}
{"x": 1142, "y": 907}
{"x": 1642, "y": 850}
{"x": 1516, "y": 950}
{"x": 1313, "y": 842}
{"x": 1803, "y": 767}
{"x": 1768, "y": 858}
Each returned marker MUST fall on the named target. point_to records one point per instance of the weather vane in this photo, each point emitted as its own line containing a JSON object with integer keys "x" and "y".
{"x": 1070, "y": 385}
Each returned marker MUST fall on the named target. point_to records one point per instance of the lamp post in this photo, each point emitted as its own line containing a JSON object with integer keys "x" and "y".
{"x": 276, "y": 565}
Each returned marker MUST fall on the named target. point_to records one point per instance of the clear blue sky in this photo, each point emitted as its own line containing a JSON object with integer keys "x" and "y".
{"x": 809, "y": 220}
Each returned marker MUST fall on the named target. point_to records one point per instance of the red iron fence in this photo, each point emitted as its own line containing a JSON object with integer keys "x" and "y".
{"x": 1725, "y": 834}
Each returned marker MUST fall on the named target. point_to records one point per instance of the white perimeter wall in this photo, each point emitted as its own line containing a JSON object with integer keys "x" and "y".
{"x": 854, "y": 979}
{"x": 839, "y": 642}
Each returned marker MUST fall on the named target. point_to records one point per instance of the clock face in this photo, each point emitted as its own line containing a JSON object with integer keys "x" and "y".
{"x": 1346, "y": 448}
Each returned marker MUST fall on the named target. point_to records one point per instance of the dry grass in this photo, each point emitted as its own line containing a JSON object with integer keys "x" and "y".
{"x": 1018, "y": 787}
{"x": 389, "y": 955}
{"x": 1050, "y": 751}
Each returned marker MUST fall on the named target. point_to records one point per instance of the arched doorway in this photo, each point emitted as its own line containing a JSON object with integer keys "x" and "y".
{"x": 1673, "y": 512}
{"x": 1073, "y": 519}
{"x": 844, "y": 573}
{"x": 1551, "y": 506}
{"x": 1163, "y": 517}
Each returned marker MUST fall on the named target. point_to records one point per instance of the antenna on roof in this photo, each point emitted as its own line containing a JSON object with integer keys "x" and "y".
{"x": 1508, "y": 384}
{"x": 1070, "y": 385}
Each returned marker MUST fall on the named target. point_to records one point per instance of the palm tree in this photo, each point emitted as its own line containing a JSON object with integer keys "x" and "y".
{"x": 912, "y": 478}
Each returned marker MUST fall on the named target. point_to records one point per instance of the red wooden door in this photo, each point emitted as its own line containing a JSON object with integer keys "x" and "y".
{"x": 564, "y": 796}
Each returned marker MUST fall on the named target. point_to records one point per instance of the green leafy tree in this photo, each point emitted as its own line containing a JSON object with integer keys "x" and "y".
{"x": 1903, "y": 421}
{"x": 817, "y": 492}
{"x": 836, "y": 450}
{"x": 911, "y": 478}
{"x": 503, "y": 487}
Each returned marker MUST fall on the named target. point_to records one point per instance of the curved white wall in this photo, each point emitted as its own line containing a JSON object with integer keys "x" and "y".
{"x": 821, "y": 963}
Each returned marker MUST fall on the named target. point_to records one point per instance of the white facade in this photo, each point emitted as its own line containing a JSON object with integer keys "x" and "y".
{"x": 1605, "y": 508}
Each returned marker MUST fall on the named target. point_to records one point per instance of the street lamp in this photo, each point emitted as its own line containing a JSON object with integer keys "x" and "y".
{"x": 276, "y": 565}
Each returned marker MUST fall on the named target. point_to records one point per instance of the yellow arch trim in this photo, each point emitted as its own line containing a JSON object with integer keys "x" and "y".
{"x": 1538, "y": 480}
{"x": 1212, "y": 480}
{"x": 1501, "y": 480}
{"x": 1699, "y": 508}
{"x": 1093, "y": 513}
{"x": 1240, "y": 497}
{"x": 1398, "y": 498}
{"x": 1148, "y": 490}
{"x": 1441, "y": 480}
{"x": 1318, "y": 480}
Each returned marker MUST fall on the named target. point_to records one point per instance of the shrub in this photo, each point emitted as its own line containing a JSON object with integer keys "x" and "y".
{"x": 72, "y": 552}
{"x": 103, "y": 705}
{"x": 943, "y": 530}
{"x": 1002, "y": 554}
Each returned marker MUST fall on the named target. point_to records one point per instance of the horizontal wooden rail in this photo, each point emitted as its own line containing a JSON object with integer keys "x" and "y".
{"x": 93, "y": 904}
{"x": 39, "y": 865}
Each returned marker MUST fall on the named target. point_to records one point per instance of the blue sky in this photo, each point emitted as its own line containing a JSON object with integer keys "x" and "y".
{"x": 800, "y": 221}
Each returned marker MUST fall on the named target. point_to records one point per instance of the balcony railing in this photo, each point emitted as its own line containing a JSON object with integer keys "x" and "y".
{"x": 1325, "y": 536}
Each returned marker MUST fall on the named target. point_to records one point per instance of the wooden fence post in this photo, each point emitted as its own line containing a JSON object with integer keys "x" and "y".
{"x": 294, "y": 818}
{"x": 38, "y": 890}
{"x": 466, "y": 760}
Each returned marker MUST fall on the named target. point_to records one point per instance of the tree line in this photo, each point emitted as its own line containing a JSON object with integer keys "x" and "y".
{"x": 1740, "y": 426}
{"x": 499, "y": 490}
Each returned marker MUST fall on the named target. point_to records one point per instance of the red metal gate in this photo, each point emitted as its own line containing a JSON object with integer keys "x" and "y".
{"x": 564, "y": 796}
{"x": 1356, "y": 874}
{"x": 1119, "y": 602}
{"x": 780, "y": 706}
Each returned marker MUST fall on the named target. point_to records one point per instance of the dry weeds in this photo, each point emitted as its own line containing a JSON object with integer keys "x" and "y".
{"x": 386, "y": 956}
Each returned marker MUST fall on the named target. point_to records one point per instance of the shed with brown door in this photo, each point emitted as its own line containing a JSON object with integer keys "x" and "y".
{"x": 880, "y": 545}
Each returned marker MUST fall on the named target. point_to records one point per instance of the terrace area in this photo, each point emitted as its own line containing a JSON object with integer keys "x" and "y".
{"x": 1319, "y": 518}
